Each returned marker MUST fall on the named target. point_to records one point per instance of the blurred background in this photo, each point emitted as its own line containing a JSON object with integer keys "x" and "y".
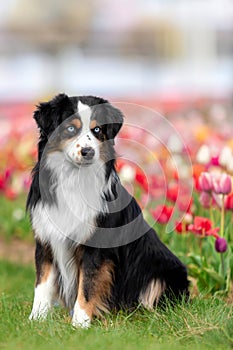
{"x": 162, "y": 49}
{"x": 175, "y": 56}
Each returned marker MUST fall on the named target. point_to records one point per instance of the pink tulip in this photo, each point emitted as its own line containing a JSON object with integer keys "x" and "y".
{"x": 222, "y": 184}
{"x": 205, "y": 182}
{"x": 205, "y": 200}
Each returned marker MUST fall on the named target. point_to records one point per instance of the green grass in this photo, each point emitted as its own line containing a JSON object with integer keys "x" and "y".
{"x": 204, "y": 323}
{"x": 14, "y": 221}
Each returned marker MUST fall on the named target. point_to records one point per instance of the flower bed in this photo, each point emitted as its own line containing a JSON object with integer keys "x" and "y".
{"x": 179, "y": 168}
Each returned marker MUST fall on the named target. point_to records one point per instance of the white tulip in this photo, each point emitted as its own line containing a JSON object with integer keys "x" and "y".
{"x": 203, "y": 155}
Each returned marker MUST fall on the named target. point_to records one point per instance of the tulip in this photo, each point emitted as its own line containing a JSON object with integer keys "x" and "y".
{"x": 184, "y": 203}
{"x": 141, "y": 179}
{"x": 127, "y": 173}
{"x": 229, "y": 202}
{"x": 203, "y": 155}
{"x": 222, "y": 184}
{"x": 181, "y": 227}
{"x": 188, "y": 218}
{"x": 172, "y": 193}
{"x": 205, "y": 182}
{"x": 205, "y": 200}
{"x": 220, "y": 245}
{"x": 225, "y": 155}
{"x": 214, "y": 161}
{"x": 162, "y": 213}
{"x": 203, "y": 226}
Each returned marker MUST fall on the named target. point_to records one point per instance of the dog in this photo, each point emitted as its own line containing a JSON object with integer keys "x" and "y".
{"x": 94, "y": 251}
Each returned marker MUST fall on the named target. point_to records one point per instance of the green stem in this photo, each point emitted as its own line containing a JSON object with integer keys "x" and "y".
{"x": 222, "y": 265}
{"x": 211, "y": 215}
{"x": 222, "y": 217}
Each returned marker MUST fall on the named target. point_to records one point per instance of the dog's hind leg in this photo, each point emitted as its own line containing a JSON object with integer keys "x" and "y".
{"x": 45, "y": 287}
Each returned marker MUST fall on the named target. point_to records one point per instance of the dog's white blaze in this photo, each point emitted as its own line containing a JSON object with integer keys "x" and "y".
{"x": 86, "y": 138}
{"x": 80, "y": 318}
{"x": 82, "y": 107}
{"x": 43, "y": 298}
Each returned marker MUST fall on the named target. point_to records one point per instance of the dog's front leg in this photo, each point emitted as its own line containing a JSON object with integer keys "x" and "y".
{"x": 45, "y": 289}
{"x": 94, "y": 293}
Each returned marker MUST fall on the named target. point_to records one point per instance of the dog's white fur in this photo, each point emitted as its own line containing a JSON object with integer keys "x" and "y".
{"x": 44, "y": 296}
{"x": 80, "y": 318}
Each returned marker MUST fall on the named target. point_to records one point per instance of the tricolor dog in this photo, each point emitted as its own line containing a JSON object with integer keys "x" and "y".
{"x": 94, "y": 250}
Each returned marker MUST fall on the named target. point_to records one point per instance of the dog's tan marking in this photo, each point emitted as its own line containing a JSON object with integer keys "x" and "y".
{"x": 93, "y": 124}
{"x": 76, "y": 122}
{"x": 46, "y": 269}
{"x": 77, "y": 145}
{"x": 44, "y": 273}
{"x": 153, "y": 292}
{"x": 100, "y": 292}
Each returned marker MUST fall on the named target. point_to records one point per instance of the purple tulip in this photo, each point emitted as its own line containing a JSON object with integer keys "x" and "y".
{"x": 220, "y": 245}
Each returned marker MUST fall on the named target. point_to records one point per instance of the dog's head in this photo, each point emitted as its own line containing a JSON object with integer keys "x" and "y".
{"x": 81, "y": 128}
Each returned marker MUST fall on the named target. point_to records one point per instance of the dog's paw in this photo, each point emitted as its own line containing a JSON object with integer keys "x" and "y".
{"x": 85, "y": 324}
{"x": 81, "y": 319}
{"x": 39, "y": 313}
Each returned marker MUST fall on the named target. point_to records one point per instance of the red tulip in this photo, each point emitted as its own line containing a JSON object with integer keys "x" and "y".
{"x": 172, "y": 193}
{"x": 203, "y": 226}
{"x": 229, "y": 202}
{"x": 141, "y": 179}
{"x": 162, "y": 213}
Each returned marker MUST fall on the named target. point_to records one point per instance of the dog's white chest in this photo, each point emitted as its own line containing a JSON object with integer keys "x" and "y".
{"x": 78, "y": 199}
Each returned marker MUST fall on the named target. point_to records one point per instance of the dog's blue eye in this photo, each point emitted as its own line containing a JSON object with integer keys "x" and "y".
{"x": 71, "y": 128}
{"x": 96, "y": 130}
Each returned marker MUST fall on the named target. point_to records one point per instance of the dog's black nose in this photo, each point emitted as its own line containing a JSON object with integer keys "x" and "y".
{"x": 88, "y": 153}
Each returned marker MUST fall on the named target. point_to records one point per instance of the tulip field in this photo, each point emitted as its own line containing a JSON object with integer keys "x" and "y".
{"x": 183, "y": 181}
{"x": 178, "y": 162}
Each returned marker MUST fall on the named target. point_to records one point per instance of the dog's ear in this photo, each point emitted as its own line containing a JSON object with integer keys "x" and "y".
{"x": 115, "y": 121}
{"x": 48, "y": 115}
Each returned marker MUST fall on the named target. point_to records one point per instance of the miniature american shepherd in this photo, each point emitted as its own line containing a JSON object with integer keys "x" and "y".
{"x": 95, "y": 253}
